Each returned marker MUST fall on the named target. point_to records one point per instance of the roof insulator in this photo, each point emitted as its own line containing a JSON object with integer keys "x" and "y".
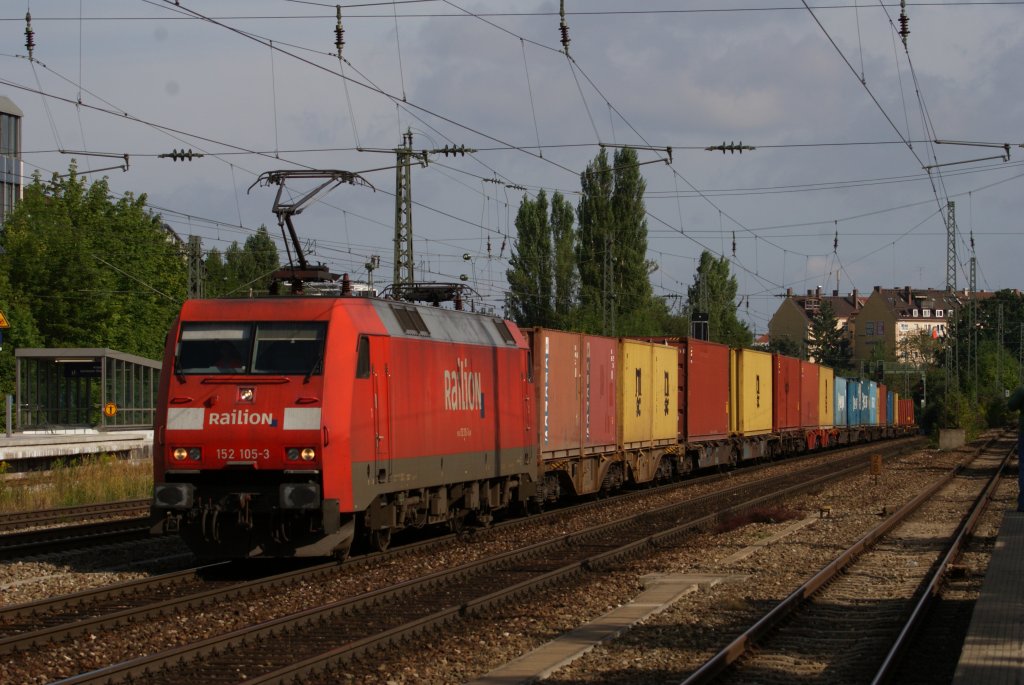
{"x": 563, "y": 27}
{"x": 339, "y": 34}
{"x": 30, "y": 35}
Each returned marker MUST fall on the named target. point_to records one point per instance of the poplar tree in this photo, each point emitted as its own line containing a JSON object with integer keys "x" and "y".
{"x": 530, "y": 276}
{"x": 566, "y": 276}
{"x": 714, "y": 293}
{"x": 616, "y": 297}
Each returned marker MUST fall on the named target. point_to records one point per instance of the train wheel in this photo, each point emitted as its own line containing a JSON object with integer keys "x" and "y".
{"x": 457, "y": 521}
{"x": 380, "y": 539}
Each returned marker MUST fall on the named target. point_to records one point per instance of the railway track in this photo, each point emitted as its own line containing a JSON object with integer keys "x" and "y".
{"x": 113, "y": 522}
{"x": 852, "y": 621}
{"x": 19, "y": 520}
{"x": 364, "y": 621}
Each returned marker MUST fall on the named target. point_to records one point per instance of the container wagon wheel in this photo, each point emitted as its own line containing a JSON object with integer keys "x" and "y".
{"x": 380, "y": 539}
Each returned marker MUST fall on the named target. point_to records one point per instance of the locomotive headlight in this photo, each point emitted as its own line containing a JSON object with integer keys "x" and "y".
{"x": 308, "y": 454}
{"x": 292, "y": 454}
{"x": 187, "y": 453}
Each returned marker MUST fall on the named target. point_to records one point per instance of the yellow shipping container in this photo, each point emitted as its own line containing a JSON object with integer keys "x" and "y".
{"x": 750, "y": 399}
{"x": 826, "y": 397}
{"x": 648, "y": 394}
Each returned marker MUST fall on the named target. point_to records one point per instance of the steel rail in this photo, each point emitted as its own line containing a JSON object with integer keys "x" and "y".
{"x": 933, "y": 587}
{"x": 24, "y": 519}
{"x": 744, "y": 642}
{"x": 44, "y": 540}
{"x": 566, "y": 556}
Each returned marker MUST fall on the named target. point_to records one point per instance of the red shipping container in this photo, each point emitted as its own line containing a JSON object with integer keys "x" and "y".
{"x": 703, "y": 388}
{"x": 883, "y": 405}
{"x": 809, "y": 395}
{"x": 785, "y": 393}
{"x": 574, "y": 376}
{"x": 706, "y": 390}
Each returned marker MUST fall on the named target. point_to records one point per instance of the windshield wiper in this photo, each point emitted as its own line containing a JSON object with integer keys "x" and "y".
{"x": 317, "y": 366}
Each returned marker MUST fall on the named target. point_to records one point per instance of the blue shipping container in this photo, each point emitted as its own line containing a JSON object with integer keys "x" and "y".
{"x": 870, "y": 390}
{"x": 854, "y": 402}
{"x": 839, "y": 403}
{"x": 890, "y": 400}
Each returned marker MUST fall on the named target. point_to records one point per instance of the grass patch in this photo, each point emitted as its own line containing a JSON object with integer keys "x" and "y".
{"x": 90, "y": 480}
{"x": 775, "y": 514}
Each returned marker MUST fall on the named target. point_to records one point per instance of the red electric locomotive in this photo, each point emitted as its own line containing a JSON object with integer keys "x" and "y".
{"x": 296, "y": 425}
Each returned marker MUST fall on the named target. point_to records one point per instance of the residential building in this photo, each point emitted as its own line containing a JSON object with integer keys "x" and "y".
{"x": 792, "y": 320}
{"x": 893, "y": 316}
{"x": 10, "y": 156}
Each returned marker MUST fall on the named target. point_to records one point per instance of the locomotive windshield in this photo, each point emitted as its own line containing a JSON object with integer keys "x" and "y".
{"x": 251, "y": 348}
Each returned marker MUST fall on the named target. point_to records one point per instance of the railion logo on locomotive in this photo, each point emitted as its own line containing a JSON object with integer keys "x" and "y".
{"x": 462, "y": 389}
{"x": 242, "y": 417}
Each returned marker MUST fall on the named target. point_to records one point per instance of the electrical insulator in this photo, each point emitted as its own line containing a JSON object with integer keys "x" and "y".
{"x": 564, "y": 28}
{"x": 904, "y": 22}
{"x": 339, "y": 34}
{"x": 30, "y": 35}
{"x": 734, "y": 243}
{"x": 835, "y": 243}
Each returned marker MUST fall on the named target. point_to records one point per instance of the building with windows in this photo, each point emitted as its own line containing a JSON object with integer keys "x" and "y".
{"x": 792, "y": 320}
{"x": 10, "y": 156}
{"x": 893, "y": 318}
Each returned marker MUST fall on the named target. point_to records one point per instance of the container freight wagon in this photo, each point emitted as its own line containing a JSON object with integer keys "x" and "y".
{"x": 787, "y": 403}
{"x": 906, "y": 412}
{"x": 703, "y": 402}
{"x": 575, "y": 382}
{"x": 816, "y": 404}
{"x": 648, "y": 407}
{"x": 750, "y": 415}
{"x": 786, "y": 398}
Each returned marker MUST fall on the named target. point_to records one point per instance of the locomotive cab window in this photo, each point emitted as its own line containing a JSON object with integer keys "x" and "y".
{"x": 247, "y": 348}
{"x": 363, "y": 357}
{"x": 213, "y": 348}
{"x": 289, "y": 348}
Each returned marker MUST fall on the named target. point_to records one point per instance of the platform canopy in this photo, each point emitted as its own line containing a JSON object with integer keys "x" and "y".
{"x": 84, "y": 387}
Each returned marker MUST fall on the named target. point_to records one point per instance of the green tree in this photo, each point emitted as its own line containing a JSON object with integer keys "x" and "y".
{"x": 530, "y": 275}
{"x": 593, "y": 246}
{"x": 714, "y": 293}
{"x": 616, "y": 297}
{"x": 827, "y": 344}
{"x": 566, "y": 275}
{"x": 786, "y": 346}
{"x": 93, "y": 272}
{"x": 242, "y": 269}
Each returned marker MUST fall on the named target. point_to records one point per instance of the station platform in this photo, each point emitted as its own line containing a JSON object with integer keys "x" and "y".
{"x": 23, "y": 452}
{"x": 993, "y": 652}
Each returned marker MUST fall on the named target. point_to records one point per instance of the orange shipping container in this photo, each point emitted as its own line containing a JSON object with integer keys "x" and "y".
{"x": 575, "y": 385}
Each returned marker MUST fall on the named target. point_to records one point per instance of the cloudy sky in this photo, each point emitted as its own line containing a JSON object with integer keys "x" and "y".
{"x": 842, "y": 117}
